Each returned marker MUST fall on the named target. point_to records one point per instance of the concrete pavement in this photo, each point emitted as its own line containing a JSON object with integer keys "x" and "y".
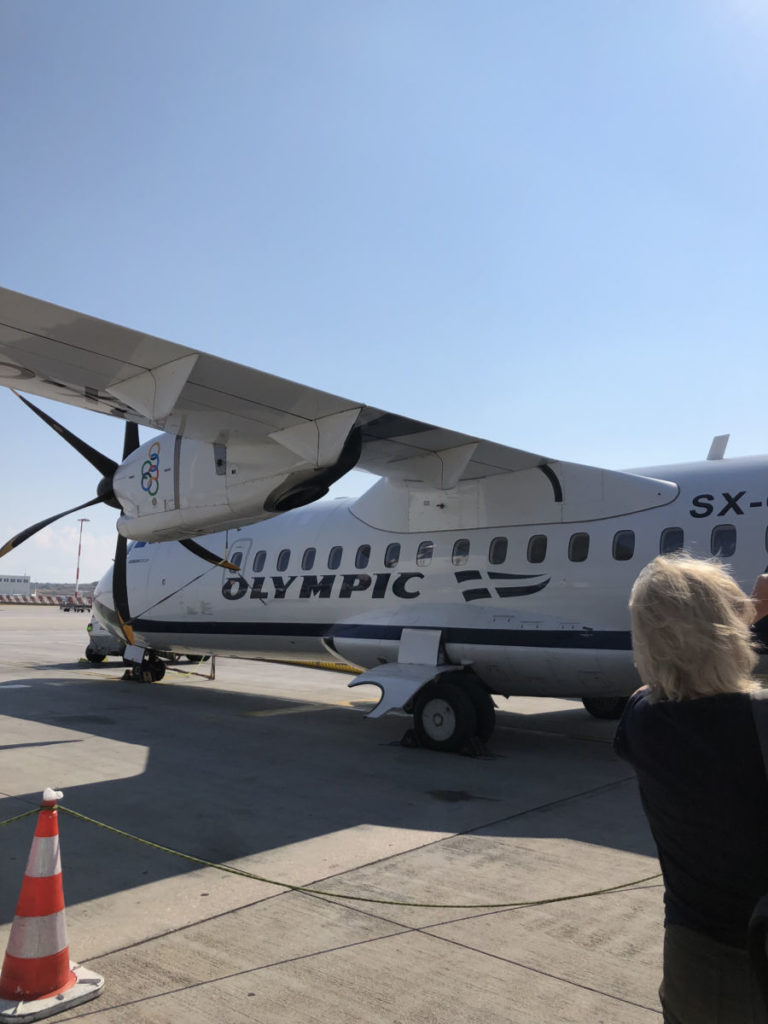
{"x": 274, "y": 769}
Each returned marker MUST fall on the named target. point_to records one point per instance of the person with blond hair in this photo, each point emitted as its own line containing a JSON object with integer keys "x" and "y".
{"x": 690, "y": 734}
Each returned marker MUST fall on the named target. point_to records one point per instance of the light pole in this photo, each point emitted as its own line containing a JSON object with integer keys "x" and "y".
{"x": 79, "y": 547}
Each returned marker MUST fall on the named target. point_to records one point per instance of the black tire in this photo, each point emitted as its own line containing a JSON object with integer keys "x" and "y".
{"x": 607, "y": 708}
{"x": 93, "y": 655}
{"x": 485, "y": 709}
{"x": 157, "y": 668}
{"x": 150, "y": 671}
{"x": 444, "y": 716}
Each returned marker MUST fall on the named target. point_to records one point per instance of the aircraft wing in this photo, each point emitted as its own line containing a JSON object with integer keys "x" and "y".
{"x": 80, "y": 360}
{"x": 70, "y": 357}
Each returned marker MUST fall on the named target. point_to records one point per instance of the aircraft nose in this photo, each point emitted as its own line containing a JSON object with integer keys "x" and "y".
{"x": 103, "y": 591}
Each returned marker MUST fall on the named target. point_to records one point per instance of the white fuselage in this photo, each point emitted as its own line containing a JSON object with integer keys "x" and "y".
{"x": 531, "y": 616}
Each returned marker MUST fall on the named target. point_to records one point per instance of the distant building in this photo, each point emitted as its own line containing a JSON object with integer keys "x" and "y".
{"x": 16, "y": 585}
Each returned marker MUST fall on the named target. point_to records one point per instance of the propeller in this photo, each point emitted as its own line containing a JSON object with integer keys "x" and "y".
{"x": 208, "y": 556}
{"x": 120, "y": 588}
{"x": 32, "y": 530}
{"x": 106, "y": 466}
{"x": 105, "y": 495}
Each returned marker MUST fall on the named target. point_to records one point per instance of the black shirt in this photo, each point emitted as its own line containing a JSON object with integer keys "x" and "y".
{"x": 704, "y": 790}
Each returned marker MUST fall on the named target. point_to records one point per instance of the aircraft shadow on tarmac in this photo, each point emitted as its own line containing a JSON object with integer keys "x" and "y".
{"x": 228, "y": 775}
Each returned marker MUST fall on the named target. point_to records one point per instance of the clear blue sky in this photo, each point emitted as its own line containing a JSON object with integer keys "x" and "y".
{"x": 543, "y": 222}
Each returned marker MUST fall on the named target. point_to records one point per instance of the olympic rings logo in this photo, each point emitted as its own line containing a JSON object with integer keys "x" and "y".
{"x": 150, "y": 471}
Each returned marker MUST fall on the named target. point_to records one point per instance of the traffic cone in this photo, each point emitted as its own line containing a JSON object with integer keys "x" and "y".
{"x": 38, "y": 978}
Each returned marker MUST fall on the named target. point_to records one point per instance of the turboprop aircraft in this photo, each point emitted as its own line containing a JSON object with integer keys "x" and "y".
{"x": 469, "y": 569}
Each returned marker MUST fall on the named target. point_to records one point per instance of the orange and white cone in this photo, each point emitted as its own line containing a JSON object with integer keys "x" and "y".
{"x": 38, "y": 978}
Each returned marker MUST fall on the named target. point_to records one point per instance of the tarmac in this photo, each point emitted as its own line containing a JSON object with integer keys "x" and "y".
{"x": 273, "y": 770}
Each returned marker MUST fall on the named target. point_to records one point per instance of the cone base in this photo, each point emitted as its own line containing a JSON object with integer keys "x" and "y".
{"x": 87, "y": 986}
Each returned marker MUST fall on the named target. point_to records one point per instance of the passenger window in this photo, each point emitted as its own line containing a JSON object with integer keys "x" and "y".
{"x": 623, "y": 545}
{"x": 424, "y": 552}
{"x": 258, "y": 560}
{"x": 308, "y": 559}
{"x": 672, "y": 540}
{"x": 334, "y": 557}
{"x": 537, "y": 548}
{"x": 723, "y": 541}
{"x": 283, "y": 559}
{"x": 237, "y": 559}
{"x": 362, "y": 557}
{"x": 460, "y": 552}
{"x": 578, "y": 547}
{"x": 497, "y": 550}
{"x": 392, "y": 556}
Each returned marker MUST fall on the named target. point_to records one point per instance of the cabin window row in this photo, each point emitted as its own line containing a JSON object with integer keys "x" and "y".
{"x": 335, "y": 554}
{"x": 722, "y": 545}
{"x": 459, "y": 555}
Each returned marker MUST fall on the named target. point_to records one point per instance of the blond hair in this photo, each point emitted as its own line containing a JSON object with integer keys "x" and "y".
{"x": 690, "y": 629}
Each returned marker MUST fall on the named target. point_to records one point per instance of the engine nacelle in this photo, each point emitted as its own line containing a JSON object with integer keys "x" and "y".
{"x": 175, "y": 487}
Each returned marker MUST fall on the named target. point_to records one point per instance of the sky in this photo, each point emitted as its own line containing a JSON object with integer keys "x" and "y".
{"x": 541, "y": 222}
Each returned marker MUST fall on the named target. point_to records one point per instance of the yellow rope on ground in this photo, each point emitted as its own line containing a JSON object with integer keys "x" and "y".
{"x": 509, "y": 904}
{"x": 26, "y": 814}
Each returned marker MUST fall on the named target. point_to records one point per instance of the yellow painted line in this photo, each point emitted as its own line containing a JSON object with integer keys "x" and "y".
{"x": 298, "y": 709}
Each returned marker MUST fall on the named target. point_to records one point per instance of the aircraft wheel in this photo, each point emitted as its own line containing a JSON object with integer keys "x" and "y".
{"x": 444, "y": 716}
{"x": 605, "y": 707}
{"x": 485, "y": 709}
{"x": 157, "y": 669}
{"x": 93, "y": 655}
{"x": 151, "y": 671}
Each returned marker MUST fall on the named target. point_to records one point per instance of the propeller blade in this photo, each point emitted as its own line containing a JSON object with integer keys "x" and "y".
{"x": 120, "y": 587}
{"x": 208, "y": 556}
{"x": 105, "y": 465}
{"x": 32, "y": 530}
{"x": 131, "y": 442}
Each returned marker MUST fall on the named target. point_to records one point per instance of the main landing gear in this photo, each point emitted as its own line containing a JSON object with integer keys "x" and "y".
{"x": 455, "y": 713}
{"x": 605, "y": 707}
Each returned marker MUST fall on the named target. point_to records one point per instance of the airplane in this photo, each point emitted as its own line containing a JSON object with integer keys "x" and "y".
{"x": 469, "y": 569}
